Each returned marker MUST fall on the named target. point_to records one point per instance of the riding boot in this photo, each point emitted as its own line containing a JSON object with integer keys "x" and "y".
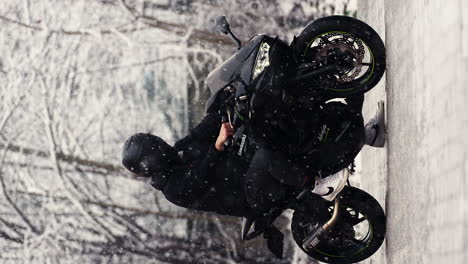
{"x": 375, "y": 128}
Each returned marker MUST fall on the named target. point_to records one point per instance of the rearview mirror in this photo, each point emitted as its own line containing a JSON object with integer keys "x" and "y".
{"x": 222, "y": 25}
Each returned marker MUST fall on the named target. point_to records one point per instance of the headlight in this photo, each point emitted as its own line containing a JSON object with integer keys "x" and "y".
{"x": 262, "y": 61}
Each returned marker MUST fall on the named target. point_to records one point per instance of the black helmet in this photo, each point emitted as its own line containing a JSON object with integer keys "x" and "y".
{"x": 148, "y": 155}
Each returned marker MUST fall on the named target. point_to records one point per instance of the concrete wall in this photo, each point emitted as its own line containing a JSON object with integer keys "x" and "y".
{"x": 420, "y": 175}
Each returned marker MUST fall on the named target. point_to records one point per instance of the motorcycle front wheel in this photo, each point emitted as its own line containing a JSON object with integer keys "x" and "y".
{"x": 358, "y": 234}
{"x": 322, "y": 39}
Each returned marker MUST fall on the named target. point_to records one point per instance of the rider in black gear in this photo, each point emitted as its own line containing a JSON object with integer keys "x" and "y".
{"x": 197, "y": 174}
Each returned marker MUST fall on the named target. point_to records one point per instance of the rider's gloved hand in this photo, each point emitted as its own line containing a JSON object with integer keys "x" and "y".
{"x": 224, "y": 133}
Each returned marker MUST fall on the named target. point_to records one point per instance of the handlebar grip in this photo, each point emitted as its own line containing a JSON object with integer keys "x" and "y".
{"x": 224, "y": 118}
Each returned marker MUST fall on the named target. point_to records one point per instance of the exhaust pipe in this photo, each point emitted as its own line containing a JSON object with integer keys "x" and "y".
{"x": 314, "y": 237}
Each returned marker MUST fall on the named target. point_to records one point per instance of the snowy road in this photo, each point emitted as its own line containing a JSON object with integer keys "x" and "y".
{"x": 420, "y": 175}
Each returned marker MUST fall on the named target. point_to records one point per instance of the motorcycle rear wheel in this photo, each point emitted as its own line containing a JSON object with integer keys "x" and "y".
{"x": 350, "y": 34}
{"x": 358, "y": 235}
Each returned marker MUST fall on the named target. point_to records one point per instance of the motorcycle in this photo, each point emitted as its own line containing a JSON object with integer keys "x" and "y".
{"x": 333, "y": 57}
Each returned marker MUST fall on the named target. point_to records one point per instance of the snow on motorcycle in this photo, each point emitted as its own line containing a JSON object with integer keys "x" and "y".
{"x": 333, "y": 57}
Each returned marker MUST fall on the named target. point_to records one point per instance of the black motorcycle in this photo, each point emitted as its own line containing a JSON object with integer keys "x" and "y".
{"x": 333, "y": 57}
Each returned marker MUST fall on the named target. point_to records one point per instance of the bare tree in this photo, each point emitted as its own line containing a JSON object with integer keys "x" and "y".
{"x": 76, "y": 79}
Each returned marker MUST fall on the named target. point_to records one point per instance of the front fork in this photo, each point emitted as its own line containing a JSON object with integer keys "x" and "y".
{"x": 307, "y": 75}
{"x": 311, "y": 81}
{"x": 321, "y": 74}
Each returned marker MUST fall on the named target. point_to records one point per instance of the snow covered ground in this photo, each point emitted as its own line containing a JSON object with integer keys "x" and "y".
{"x": 420, "y": 176}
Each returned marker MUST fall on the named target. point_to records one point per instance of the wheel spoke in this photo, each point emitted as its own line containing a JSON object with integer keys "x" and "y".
{"x": 366, "y": 63}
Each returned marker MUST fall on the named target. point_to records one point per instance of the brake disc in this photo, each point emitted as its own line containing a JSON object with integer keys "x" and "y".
{"x": 346, "y": 43}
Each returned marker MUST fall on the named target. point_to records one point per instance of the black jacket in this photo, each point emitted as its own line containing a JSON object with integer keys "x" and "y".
{"x": 203, "y": 178}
